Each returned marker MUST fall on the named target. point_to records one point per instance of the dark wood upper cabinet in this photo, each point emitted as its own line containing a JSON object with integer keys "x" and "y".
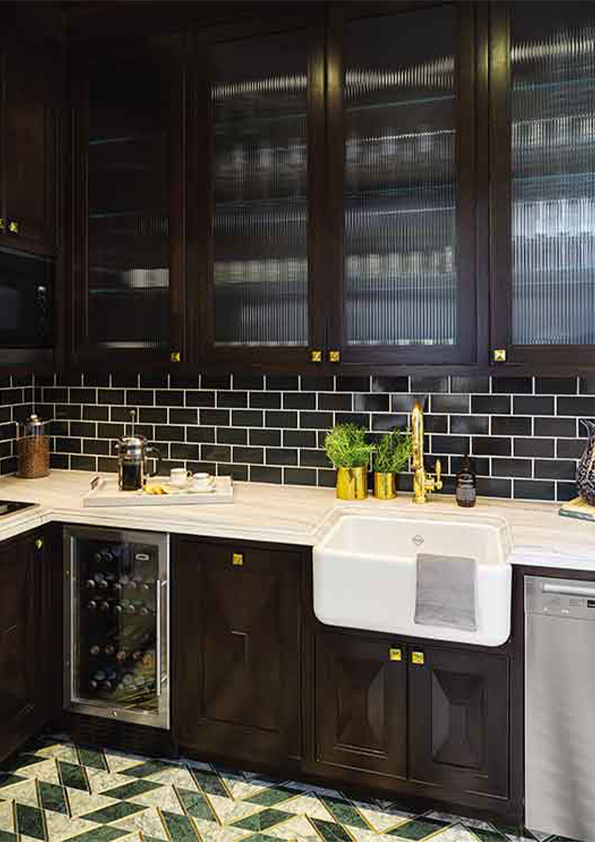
{"x": 459, "y": 721}
{"x": 402, "y": 182}
{"x": 127, "y": 213}
{"x": 237, "y": 651}
{"x": 24, "y": 635}
{"x": 255, "y": 191}
{"x": 30, "y": 95}
{"x": 361, "y": 704}
{"x": 543, "y": 184}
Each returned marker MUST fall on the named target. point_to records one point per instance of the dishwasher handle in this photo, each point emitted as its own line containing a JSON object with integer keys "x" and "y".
{"x": 568, "y": 590}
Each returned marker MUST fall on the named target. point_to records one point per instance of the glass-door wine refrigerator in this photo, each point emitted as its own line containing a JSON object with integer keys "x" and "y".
{"x": 116, "y": 632}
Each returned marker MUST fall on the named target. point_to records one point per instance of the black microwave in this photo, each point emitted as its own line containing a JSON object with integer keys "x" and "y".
{"x": 26, "y": 294}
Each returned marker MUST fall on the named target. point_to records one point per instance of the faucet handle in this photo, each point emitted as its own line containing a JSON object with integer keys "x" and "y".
{"x": 438, "y": 469}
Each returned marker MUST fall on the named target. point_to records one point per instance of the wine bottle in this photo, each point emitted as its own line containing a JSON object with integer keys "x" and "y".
{"x": 90, "y": 584}
{"x": 136, "y": 656}
{"x": 97, "y": 558}
{"x": 121, "y": 655}
{"x": 92, "y": 606}
{"x": 110, "y": 649}
{"x": 104, "y": 607}
{"x": 95, "y": 650}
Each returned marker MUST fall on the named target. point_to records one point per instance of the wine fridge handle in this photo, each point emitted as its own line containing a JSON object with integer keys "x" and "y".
{"x": 158, "y": 585}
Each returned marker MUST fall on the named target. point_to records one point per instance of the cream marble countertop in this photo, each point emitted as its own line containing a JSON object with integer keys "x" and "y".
{"x": 296, "y": 515}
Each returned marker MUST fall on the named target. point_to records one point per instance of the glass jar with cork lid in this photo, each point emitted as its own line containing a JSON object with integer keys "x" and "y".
{"x": 33, "y": 448}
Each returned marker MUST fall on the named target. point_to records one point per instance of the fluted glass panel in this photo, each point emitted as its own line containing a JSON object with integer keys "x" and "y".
{"x": 259, "y": 96}
{"x": 128, "y": 198}
{"x": 553, "y": 173}
{"x": 400, "y": 269}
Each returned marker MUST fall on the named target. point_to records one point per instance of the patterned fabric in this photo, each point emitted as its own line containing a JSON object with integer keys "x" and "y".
{"x": 56, "y": 790}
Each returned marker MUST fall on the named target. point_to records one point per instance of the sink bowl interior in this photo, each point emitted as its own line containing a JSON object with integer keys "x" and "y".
{"x": 408, "y": 536}
{"x": 365, "y": 573}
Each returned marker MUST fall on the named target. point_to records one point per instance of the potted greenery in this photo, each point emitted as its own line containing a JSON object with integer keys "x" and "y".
{"x": 347, "y": 447}
{"x": 391, "y": 457}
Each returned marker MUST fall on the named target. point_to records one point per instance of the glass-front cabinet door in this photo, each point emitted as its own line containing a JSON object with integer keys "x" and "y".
{"x": 402, "y": 173}
{"x": 127, "y": 212}
{"x": 116, "y": 625}
{"x": 257, "y": 156}
{"x": 543, "y": 183}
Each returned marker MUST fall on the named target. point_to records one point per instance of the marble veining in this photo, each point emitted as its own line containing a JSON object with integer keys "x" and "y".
{"x": 296, "y": 515}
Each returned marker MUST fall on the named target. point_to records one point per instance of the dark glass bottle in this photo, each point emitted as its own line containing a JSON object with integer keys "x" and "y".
{"x": 465, "y": 491}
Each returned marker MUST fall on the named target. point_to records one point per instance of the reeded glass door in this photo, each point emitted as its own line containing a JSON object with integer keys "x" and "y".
{"x": 544, "y": 180}
{"x": 401, "y": 119}
{"x": 259, "y": 154}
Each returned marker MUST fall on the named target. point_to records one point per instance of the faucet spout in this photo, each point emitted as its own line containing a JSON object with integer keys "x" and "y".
{"x": 422, "y": 483}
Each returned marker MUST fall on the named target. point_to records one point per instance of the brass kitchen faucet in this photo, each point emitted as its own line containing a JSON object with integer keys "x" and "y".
{"x": 422, "y": 482}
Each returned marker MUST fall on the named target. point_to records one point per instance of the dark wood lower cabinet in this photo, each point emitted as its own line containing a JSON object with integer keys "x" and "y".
{"x": 24, "y": 640}
{"x": 237, "y": 651}
{"x": 361, "y": 704}
{"x": 459, "y": 721}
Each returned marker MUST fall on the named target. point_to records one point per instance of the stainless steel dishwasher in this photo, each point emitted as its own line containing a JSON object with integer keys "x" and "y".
{"x": 560, "y": 706}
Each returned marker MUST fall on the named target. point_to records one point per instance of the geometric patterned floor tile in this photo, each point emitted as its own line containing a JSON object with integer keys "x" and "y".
{"x": 56, "y": 791}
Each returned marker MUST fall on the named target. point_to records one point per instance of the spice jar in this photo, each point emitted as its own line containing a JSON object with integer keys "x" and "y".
{"x": 33, "y": 449}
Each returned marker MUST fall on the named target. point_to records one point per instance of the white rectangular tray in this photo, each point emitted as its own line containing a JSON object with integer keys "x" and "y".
{"x": 106, "y": 493}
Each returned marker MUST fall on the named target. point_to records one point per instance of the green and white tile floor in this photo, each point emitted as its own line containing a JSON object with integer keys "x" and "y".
{"x": 56, "y": 790}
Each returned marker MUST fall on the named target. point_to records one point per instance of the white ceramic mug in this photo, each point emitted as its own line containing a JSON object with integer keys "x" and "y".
{"x": 179, "y": 477}
{"x": 201, "y": 481}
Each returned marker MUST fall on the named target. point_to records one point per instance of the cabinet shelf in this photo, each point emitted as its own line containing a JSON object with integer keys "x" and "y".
{"x": 136, "y": 138}
{"x": 217, "y": 127}
{"x": 402, "y": 103}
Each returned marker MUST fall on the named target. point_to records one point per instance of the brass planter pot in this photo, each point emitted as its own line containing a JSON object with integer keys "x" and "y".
{"x": 352, "y": 483}
{"x": 384, "y": 486}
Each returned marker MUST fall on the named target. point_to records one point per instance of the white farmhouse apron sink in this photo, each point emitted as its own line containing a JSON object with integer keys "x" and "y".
{"x": 365, "y": 572}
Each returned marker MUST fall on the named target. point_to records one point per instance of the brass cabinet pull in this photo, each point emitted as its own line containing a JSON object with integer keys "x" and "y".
{"x": 418, "y": 658}
{"x": 176, "y": 356}
{"x": 316, "y": 356}
{"x": 499, "y": 355}
{"x": 237, "y": 559}
{"x": 334, "y": 356}
{"x": 395, "y": 653}
{"x": 13, "y": 226}
{"x": 1, "y": 223}
{"x": 39, "y": 543}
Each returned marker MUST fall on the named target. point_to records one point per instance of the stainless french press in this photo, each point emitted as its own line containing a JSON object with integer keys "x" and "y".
{"x": 133, "y": 452}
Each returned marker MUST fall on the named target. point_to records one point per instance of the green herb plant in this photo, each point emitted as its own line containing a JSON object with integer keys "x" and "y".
{"x": 392, "y": 453}
{"x": 346, "y": 446}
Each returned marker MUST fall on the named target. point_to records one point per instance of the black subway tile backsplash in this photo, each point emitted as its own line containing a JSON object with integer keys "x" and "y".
{"x": 490, "y": 404}
{"x": 478, "y": 425}
{"x": 556, "y": 385}
{"x": 534, "y": 447}
{"x": 582, "y": 407}
{"x": 512, "y": 385}
{"x": 533, "y": 406}
{"x": 511, "y": 425}
{"x": 522, "y": 432}
{"x": 390, "y": 384}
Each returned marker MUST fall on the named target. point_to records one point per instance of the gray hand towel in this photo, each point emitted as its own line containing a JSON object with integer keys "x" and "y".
{"x": 445, "y": 593}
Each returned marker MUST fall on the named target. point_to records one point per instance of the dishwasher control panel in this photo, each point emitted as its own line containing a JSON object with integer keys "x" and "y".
{"x": 572, "y": 598}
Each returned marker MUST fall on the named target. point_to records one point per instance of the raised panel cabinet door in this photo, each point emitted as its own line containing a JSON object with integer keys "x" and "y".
{"x": 238, "y": 638}
{"x": 22, "y": 672}
{"x": 402, "y": 170}
{"x": 543, "y": 183}
{"x": 459, "y": 721}
{"x": 361, "y": 719}
{"x": 30, "y": 75}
